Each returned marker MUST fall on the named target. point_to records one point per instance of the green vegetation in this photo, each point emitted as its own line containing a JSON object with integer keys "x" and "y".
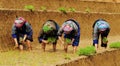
{"x": 63, "y": 9}
{"x": 88, "y": 10}
{"x": 72, "y": 9}
{"x": 67, "y": 57}
{"x": 68, "y": 41}
{"x": 89, "y": 50}
{"x": 51, "y": 39}
{"x": 47, "y": 28}
{"x": 105, "y": 40}
{"x": 43, "y": 8}
{"x": 115, "y": 45}
{"x": 29, "y": 7}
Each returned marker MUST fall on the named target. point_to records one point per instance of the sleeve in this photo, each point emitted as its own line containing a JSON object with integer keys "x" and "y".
{"x": 56, "y": 30}
{"x": 108, "y": 25}
{"x": 29, "y": 31}
{"x": 14, "y": 31}
{"x": 75, "y": 27}
{"x": 95, "y": 34}
{"x": 56, "y": 35}
{"x": 60, "y": 31}
{"x": 94, "y": 23}
{"x": 40, "y": 37}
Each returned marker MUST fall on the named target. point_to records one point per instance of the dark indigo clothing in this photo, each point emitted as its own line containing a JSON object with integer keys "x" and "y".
{"x": 96, "y": 31}
{"x": 20, "y": 32}
{"x": 52, "y": 33}
{"x": 75, "y": 33}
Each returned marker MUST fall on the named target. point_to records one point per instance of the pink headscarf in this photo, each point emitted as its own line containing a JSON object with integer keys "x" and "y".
{"x": 19, "y": 22}
{"x": 67, "y": 28}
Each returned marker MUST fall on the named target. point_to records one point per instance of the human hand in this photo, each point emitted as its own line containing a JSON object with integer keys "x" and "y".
{"x": 23, "y": 41}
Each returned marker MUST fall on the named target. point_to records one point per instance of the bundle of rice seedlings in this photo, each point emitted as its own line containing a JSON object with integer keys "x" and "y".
{"x": 68, "y": 41}
{"x": 51, "y": 39}
{"x": 105, "y": 40}
{"x": 89, "y": 50}
{"x": 115, "y": 45}
{"x": 47, "y": 28}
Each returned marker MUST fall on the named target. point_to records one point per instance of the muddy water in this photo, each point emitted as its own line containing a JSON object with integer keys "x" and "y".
{"x": 86, "y": 20}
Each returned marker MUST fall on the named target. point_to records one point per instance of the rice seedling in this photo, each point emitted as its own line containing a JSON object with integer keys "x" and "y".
{"x": 89, "y": 50}
{"x": 115, "y": 45}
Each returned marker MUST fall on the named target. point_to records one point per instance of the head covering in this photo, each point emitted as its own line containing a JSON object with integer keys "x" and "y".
{"x": 67, "y": 28}
{"x": 19, "y": 22}
{"x": 102, "y": 27}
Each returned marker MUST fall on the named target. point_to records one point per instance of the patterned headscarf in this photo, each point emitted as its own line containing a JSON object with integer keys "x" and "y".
{"x": 102, "y": 27}
{"x": 19, "y": 22}
{"x": 67, "y": 28}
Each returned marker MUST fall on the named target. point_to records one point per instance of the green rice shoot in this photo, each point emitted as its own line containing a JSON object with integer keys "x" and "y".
{"x": 46, "y": 28}
{"x": 105, "y": 40}
{"x": 115, "y": 45}
{"x": 51, "y": 39}
{"x": 68, "y": 41}
{"x": 29, "y": 7}
{"x": 89, "y": 50}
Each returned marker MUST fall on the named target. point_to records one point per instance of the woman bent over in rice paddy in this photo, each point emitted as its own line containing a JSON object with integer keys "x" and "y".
{"x": 71, "y": 30}
{"x": 48, "y": 34}
{"x": 21, "y": 33}
{"x": 100, "y": 27}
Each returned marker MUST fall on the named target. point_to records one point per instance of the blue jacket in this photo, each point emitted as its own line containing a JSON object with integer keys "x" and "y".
{"x": 25, "y": 29}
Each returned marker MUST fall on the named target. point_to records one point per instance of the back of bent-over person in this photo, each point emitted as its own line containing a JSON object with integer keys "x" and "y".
{"x": 71, "y": 30}
{"x": 100, "y": 27}
{"x": 48, "y": 34}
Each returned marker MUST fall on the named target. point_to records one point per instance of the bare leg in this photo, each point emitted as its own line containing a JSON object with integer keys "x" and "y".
{"x": 16, "y": 46}
{"x": 66, "y": 48}
{"x": 74, "y": 49}
{"x": 96, "y": 46}
{"x": 21, "y": 47}
{"x": 29, "y": 45}
{"x": 54, "y": 47}
{"x": 43, "y": 46}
